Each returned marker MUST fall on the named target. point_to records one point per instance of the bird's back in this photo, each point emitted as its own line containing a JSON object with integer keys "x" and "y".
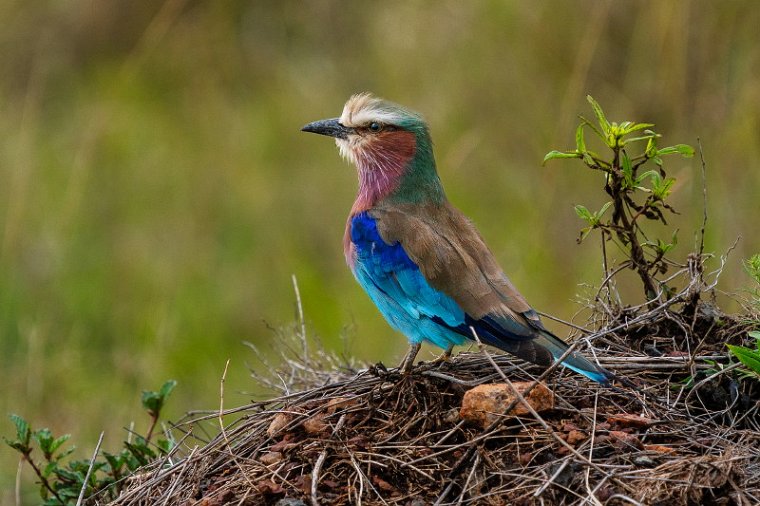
{"x": 455, "y": 261}
{"x": 453, "y": 258}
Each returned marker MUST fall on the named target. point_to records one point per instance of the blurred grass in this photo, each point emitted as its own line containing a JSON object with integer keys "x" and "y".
{"x": 157, "y": 194}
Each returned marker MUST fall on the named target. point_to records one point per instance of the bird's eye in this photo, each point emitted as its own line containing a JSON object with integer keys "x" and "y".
{"x": 375, "y": 126}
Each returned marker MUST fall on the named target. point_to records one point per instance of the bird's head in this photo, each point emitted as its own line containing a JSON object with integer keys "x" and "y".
{"x": 390, "y": 146}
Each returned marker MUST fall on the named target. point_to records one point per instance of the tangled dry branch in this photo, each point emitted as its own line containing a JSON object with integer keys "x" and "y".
{"x": 375, "y": 436}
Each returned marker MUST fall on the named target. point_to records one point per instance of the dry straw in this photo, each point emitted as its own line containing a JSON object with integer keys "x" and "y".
{"x": 336, "y": 434}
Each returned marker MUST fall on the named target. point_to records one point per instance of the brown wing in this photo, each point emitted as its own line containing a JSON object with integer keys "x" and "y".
{"x": 455, "y": 260}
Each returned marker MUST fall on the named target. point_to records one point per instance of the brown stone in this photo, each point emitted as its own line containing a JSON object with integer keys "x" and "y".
{"x": 622, "y": 439}
{"x": 340, "y": 403}
{"x": 270, "y": 458}
{"x": 288, "y": 442}
{"x": 315, "y": 424}
{"x": 318, "y": 423}
{"x": 484, "y": 404}
{"x": 659, "y": 449}
{"x": 626, "y": 420}
{"x": 575, "y": 436}
{"x": 280, "y": 421}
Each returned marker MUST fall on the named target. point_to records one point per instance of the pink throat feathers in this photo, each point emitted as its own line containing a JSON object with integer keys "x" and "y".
{"x": 381, "y": 164}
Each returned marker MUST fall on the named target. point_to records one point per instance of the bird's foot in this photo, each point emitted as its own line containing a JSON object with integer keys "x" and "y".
{"x": 445, "y": 357}
{"x": 407, "y": 364}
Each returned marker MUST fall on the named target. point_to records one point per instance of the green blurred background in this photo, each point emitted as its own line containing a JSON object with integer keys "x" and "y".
{"x": 156, "y": 194}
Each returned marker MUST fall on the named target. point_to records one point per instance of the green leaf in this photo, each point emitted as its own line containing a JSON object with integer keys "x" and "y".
{"x": 660, "y": 247}
{"x": 164, "y": 445}
{"x": 642, "y": 138}
{"x": 23, "y": 431}
{"x": 114, "y": 461}
{"x": 652, "y": 174}
{"x": 684, "y": 149}
{"x": 152, "y": 402}
{"x": 752, "y": 267}
{"x": 140, "y": 451}
{"x": 17, "y": 445}
{"x": 65, "y": 453}
{"x": 551, "y": 155}
{"x": 756, "y": 335}
{"x": 57, "y": 442}
{"x": 70, "y": 475}
{"x": 44, "y": 438}
{"x": 593, "y": 127}
{"x": 748, "y": 357}
{"x": 635, "y": 127}
{"x": 167, "y": 388}
{"x": 580, "y": 143}
{"x": 599, "y": 113}
{"x": 651, "y": 150}
{"x": 604, "y": 208}
{"x": 661, "y": 188}
{"x": 627, "y": 170}
{"x": 49, "y": 468}
{"x": 584, "y": 214}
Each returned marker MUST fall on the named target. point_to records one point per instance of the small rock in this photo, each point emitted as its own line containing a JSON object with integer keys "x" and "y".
{"x": 382, "y": 484}
{"x": 569, "y": 426}
{"x": 315, "y": 424}
{"x": 451, "y": 416}
{"x": 280, "y": 421}
{"x": 270, "y": 458}
{"x": 288, "y": 442}
{"x": 340, "y": 403}
{"x": 217, "y": 499}
{"x": 626, "y": 420}
{"x": 644, "y": 462}
{"x": 484, "y": 404}
{"x": 576, "y": 436}
{"x": 268, "y": 487}
{"x": 659, "y": 449}
{"x": 622, "y": 439}
{"x": 287, "y": 501}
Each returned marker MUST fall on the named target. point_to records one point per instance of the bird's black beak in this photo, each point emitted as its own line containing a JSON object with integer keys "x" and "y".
{"x": 329, "y": 127}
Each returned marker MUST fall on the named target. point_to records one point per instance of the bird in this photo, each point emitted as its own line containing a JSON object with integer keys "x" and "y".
{"x": 420, "y": 260}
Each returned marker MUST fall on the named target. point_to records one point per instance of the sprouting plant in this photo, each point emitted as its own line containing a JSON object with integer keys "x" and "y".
{"x": 752, "y": 267}
{"x": 637, "y": 193}
{"x": 62, "y": 481}
{"x": 748, "y": 356}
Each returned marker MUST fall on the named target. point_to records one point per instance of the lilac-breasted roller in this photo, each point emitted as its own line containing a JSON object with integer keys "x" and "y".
{"x": 421, "y": 261}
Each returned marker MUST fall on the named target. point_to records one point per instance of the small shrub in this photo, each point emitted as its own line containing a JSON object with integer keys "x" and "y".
{"x": 62, "y": 480}
{"x": 637, "y": 193}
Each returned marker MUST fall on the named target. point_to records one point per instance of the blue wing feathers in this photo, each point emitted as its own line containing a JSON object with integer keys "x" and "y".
{"x": 406, "y": 299}
{"x": 411, "y": 305}
{"x": 398, "y": 288}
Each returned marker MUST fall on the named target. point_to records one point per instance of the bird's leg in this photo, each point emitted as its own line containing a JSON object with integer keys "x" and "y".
{"x": 445, "y": 356}
{"x": 408, "y": 362}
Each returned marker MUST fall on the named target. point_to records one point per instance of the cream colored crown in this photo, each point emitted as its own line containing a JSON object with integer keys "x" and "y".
{"x": 364, "y": 108}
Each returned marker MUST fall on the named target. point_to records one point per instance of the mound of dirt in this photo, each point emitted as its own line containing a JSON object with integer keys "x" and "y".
{"x": 375, "y": 436}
